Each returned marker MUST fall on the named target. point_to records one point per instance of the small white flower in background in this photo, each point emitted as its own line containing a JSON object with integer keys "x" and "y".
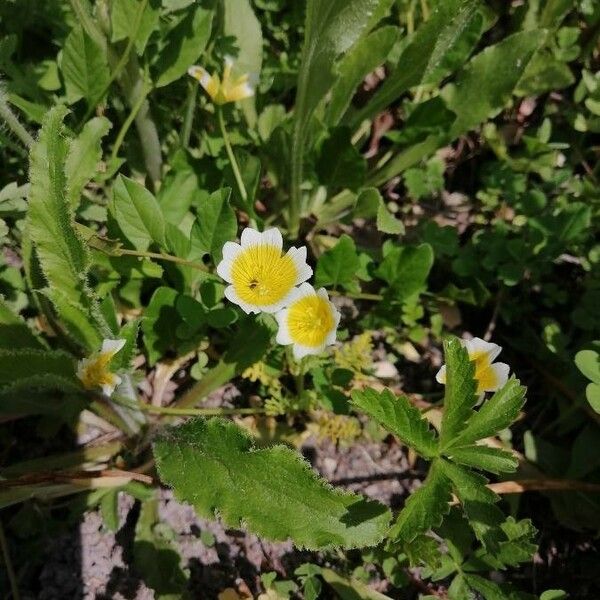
{"x": 228, "y": 89}
{"x": 94, "y": 371}
{"x": 490, "y": 376}
{"x": 309, "y": 322}
{"x": 262, "y": 278}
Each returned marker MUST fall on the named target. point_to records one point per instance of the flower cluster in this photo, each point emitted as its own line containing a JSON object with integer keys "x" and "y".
{"x": 264, "y": 279}
{"x": 94, "y": 371}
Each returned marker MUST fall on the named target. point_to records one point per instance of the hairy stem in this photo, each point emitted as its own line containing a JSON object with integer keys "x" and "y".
{"x": 13, "y": 123}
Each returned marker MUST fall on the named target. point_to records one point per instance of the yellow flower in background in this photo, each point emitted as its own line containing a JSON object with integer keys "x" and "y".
{"x": 229, "y": 89}
{"x": 309, "y": 322}
{"x": 490, "y": 377}
{"x": 262, "y": 278}
{"x": 94, "y": 371}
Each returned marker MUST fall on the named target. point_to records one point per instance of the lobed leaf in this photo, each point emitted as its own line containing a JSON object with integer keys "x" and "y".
{"x": 399, "y": 416}
{"x": 459, "y": 396}
{"x": 213, "y": 465}
{"x": 425, "y": 508}
{"x": 495, "y": 414}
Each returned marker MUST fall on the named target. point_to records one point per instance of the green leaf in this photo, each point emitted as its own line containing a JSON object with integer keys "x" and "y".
{"x": 216, "y": 224}
{"x": 84, "y": 66}
{"x": 339, "y": 164}
{"x": 20, "y": 364}
{"x": 588, "y": 362}
{"x": 366, "y": 55}
{"x": 134, "y": 18}
{"x": 405, "y": 269}
{"x": 62, "y": 255}
{"x": 490, "y": 459}
{"x": 425, "y": 507}
{"x": 159, "y": 323}
{"x": 338, "y": 266}
{"x": 485, "y": 85}
{"x": 124, "y": 358}
{"x": 495, "y": 414}
{"x": 14, "y": 331}
{"x": 85, "y": 152}
{"x": 478, "y": 502}
{"x": 459, "y": 394}
{"x": 350, "y": 588}
{"x": 422, "y": 58}
{"x": 331, "y": 29}
{"x": 155, "y": 558}
{"x": 183, "y": 45}
{"x": 399, "y": 416}
{"x": 387, "y": 222}
{"x": 137, "y": 213}
{"x": 213, "y": 465}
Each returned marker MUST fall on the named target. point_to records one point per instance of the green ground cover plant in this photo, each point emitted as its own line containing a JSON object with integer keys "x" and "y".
{"x": 347, "y": 210}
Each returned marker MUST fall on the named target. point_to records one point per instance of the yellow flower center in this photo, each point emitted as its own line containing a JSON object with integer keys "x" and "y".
{"x": 310, "y": 319}
{"x": 262, "y": 276}
{"x": 484, "y": 374}
{"x": 96, "y": 374}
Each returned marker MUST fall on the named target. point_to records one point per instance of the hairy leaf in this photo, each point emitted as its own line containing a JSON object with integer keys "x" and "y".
{"x": 213, "y": 465}
{"x": 459, "y": 396}
{"x": 20, "y": 364}
{"x": 496, "y": 414}
{"x": 399, "y": 416}
{"x": 425, "y": 508}
{"x": 14, "y": 331}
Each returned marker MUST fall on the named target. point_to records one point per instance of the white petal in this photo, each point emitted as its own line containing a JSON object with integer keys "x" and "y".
{"x": 82, "y": 366}
{"x": 283, "y": 333}
{"x": 302, "y": 351}
{"x": 331, "y": 337}
{"x": 272, "y": 237}
{"x": 277, "y": 306}
{"x": 112, "y": 346}
{"x": 250, "y": 237}
{"x": 232, "y": 296}
{"x": 441, "y": 375}
{"x": 502, "y": 370}
{"x": 109, "y": 388}
{"x": 477, "y": 345}
{"x": 298, "y": 255}
{"x": 200, "y": 74}
{"x": 302, "y": 291}
{"x": 231, "y": 250}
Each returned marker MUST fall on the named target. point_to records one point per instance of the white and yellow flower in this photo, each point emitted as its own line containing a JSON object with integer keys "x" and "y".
{"x": 94, "y": 371}
{"x": 490, "y": 376}
{"x": 262, "y": 278}
{"x": 309, "y": 322}
{"x": 227, "y": 89}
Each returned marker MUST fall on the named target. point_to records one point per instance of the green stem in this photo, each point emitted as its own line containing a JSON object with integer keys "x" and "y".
{"x": 160, "y": 256}
{"x": 13, "y": 123}
{"x": 199, "y": 412}
{"x": 186, "y": 129}
{"x": 128, "y": 122}
{"x": 83, "y": 11}
{"x": 12, "y": 578}
{"x": 231, "y": 155}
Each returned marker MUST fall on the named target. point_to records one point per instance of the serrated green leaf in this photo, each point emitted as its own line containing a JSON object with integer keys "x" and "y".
{"x": 424, "y": 508}
{"x": 366, "y": 55}
{"x": 495, "y": 414}
{"x": 84, "y": 66}
{"x": 338, "y": 266}
{"x": 399, "y": 416}
{"x": 124, "y": 358}
{"x": 14, "y": 332}
{"x": 137, "y": 213}
{"x": 213, "y": 465}
{"x": 350, "y": 588}
{"x": 490, "y": 590}
{"x": 216, "y": 224}
{"x": 478, "y": 502}
{"x": 20, "y": 364}
{"x": 459, "y": 394}
{"x": 85, "y": 152}
{"x": 460, "y": 590}
{"x": 490, "y": 459}
{"x": 183, "y": 45}
{"x": 423, "y": 551}
{"x": 405, "y": 269}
